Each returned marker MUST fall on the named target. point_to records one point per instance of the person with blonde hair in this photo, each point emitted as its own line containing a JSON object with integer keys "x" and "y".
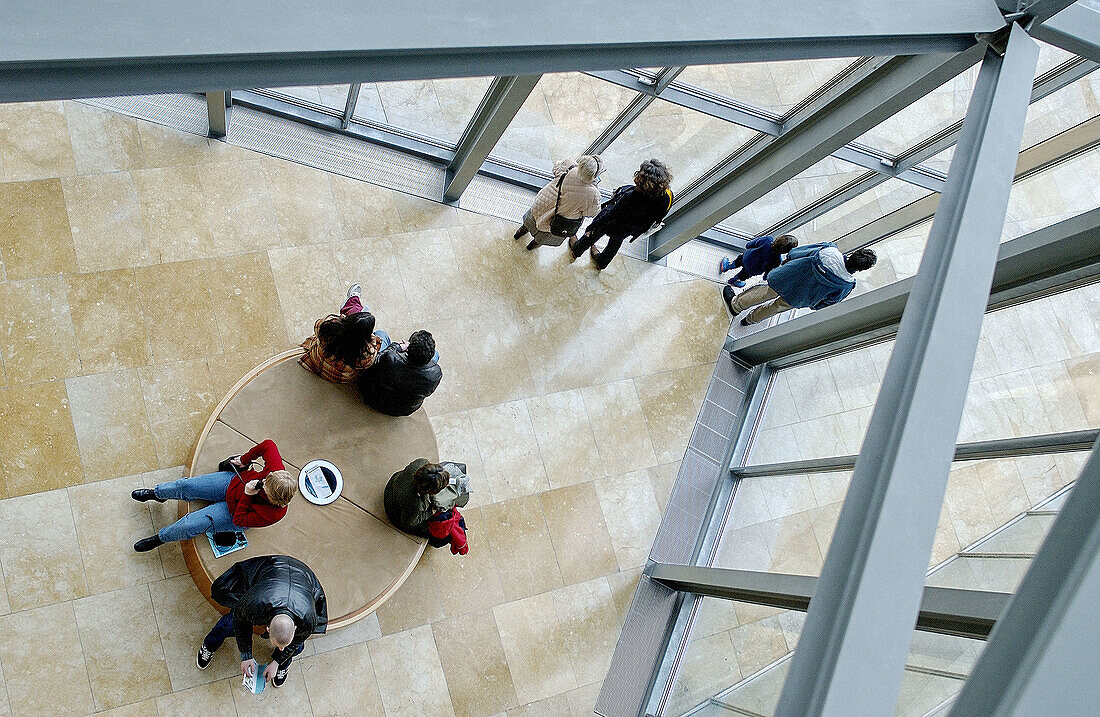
{"x": 239, "y": 497}
{"x": 561, "y": 206}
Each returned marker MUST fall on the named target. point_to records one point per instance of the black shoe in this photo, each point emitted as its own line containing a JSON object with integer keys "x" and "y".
{"x": 146, "y": 544}
{"x": 227, "y": 465}
{"x": 204, "y": 657}
{"x": 144, "y": 494}
{"x": 520, "y": 232}
{"x": 532, "y": 245}
{"x": 280, "y": 677}
{"x": 727, "y": 298}
{"x": 573, "y": 247}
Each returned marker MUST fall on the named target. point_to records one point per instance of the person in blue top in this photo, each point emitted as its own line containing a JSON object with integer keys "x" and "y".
{"x": 761, "y": 255}
{"x": 812, "y": 277}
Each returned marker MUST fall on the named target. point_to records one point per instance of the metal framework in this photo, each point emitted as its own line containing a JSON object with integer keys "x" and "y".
{"x": 1076, "y": 29}
{"x": 217, "y": 111}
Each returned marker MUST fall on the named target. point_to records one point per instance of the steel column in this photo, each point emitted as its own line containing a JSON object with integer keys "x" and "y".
{"x": 852, "y": 651}
{"x": 217, "y": 113}
{"x": 1037, "y": 660}
{"x": 498, "y": 107}
{"x": 878, "y": 92}
{"x": 349, "y": 105}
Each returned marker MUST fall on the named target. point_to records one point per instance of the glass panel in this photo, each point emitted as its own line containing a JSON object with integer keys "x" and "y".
{"x": 439, "y": 109}
{"x": 1001, "y": 575}
{"x": 1022, "y": 537}
{"x": 332, "y": 97}
{"x": 774, "y": 87}
{"x": 1061, "y": 192}
{"x": 689, "y": 142}
{"x": 932, "y": 651}
{"x": 561, "y": 118}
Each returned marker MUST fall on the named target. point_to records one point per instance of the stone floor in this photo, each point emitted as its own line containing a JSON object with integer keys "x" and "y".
{"x": 145, "y": 270}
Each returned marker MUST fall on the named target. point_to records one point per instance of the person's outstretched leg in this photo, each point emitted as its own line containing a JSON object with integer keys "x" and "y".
{"x": 580, "y": 246}
{"x": 222, "y": 629}
{"x": 766, "y": 311}
{"x": 739, "y": 278}
{"x": 604, "y": 257}
{"x": 751, "y": 297}
{"x": 210, "y": 487}
{"x": 214, "y": 517}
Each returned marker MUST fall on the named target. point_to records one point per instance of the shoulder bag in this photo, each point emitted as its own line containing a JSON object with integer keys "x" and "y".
{"x": 562, "y": 226}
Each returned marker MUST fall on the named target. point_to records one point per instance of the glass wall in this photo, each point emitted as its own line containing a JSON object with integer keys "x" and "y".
{"x": 439, "y": 109}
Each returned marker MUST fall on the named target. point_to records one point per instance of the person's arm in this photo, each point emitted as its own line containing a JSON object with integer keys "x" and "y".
{"x": 758, "y": 241}
{"x": 561, "y": 167}
{"x": 246, "y": 516}
{"x": 242, "y": 632}
{"x": 266, "y": 450}
{"x": 665, "y": 206}
{"x": 418, "y": 512}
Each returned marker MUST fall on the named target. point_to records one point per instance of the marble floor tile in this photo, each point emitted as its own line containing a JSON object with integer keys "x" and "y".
{"x": 164, "y": 146}
{"x": 36, "y": 141}
{"x": 134, "y": 709}
{"x": 622, "y": 586}
{"x": 228, "y": 368}
{"x": 308, "y": 286}
{"x": 179, "y": 399}
{"x": 238, "y": 207}
{"x": 794, "y": 548}
{"x": 549, "y": 707}
{"x": 786, "y": 495}
{"x": 565, "y": 438}
{"x": 38, "y": 448}
{"x": 106, "y": 223}
{"x": 630, "y": 511}
{"x": 37, "y": 337}
{"x": 365, "y": 209}
{"x": 341, "y": 682}
{"x": 107, "y": 316}
{"x": 608, "y": 344}
{"x": 758, "y": 644}
{"x": 473, "y": 661}
{"x": 362, "y": 630}
{"x": 125, "y": 661}
{"x": 587, "y": 613}
{"x": 710, "y": 665}
{"x": 410, "y": 677}
{"x": 554, "y": 350}
{"x": 372, "y": 262}
{"x": 290, "y": 699}
{"x": 663, "y": 478}
{"x": 430, "y": 275}
{"x": 619, "y": 426}
{"x": 184, "y": 617}
{"x": 112, "y": 429}
{"x": 472, "y": 581}
{"x": 101, "y": 140}
{"x": 509, "y": 450}
{"x": 814, "y": 390}
{"x": 578, "y": 532}
{"x": 671, "y": 402}
{"x": 417, "y": 603}
{"x": 305, "y": 210}
{"x": 29, "y": 640}
{"x": 454, "y": 435}
{"x": 497, "y": 359}
{"x": 35, "y": 239}
{"x": 458, "y": 390}
{"x": 173, "y": 213}
{"x": 522, "y": 551}
{"x": 246, "y": 303}
{"x": 5, "y": 606}
{"x": 213, "y": 698}
{"x": 39, "y": 550}
{"x": 108, "y": 523}
{"x": 1084, "y": 372}
{"x": 536, "y": 646}
{"x": 189, "y": 329}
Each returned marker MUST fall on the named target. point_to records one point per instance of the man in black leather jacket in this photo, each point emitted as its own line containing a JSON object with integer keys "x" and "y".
{"x": 277, "y": 591}
{"x": 402, "y": 376}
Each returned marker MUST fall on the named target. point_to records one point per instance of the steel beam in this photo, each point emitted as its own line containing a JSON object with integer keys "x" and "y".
{"x": 1041, "y": 656}
{"x": 633, "y": 109}
{"x": 868, "y": 98}
{"x": 852, "y": 652}
{"x": 498, "y": 107}
{"x": 217, "y": 113}
{"x": 949, "y": 611}
{"x": 349, "y": 104}
{"x": 1076, "y": 29}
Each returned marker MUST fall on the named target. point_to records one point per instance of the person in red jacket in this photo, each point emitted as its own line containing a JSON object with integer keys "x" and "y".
{"x": 240, "y": 498}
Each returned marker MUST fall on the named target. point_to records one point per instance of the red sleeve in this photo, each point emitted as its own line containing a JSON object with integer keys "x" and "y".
{"x": 246, "y": 514}
{"x": 270, "y": 453}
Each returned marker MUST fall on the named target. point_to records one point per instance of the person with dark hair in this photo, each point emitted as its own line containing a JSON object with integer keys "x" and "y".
{"x": 761, "y": 255}
{"x": 402, "y": 376}
{"x": 343, "y": 345}
{"x": 423, "y": 490}
{"x": 812, "y": 277}
{"x": 276, "y": 591}
{"x": 630, "y": 212}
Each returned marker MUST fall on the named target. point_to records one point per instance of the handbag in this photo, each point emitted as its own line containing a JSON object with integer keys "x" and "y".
{"x": 563, "y": 226}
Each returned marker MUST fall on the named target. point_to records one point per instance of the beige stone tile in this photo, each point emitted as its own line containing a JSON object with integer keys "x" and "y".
{"x": 39, "y": 449}
{"x": 125, "y": 662}
{"x": 431, "y": 274}
{"x": 607, "y": 341}
{"x": 458, "y": 390}
{"x": 497, "y": 358}
{"x": 246, "y": 303}
{"x": 966, "y": 499}
{"x": 308, "y": 287}
{"x": 102, "y": 141}
{"x": 473, "y": 661}
{"x": 506, "y": 441}
{"x": 106, "y": 222}
{"x": 521, "y": 546}
{"x": 110, "y": 327}
{"x": 758, "y": 644}
{"x": 213, "y": 698}
{"x": 238, "y": 206}
{"x": 365, "y": 209}
{"x": 5, "y": 606}
{"x": 619, "y": 425}
{"x": 565, "y": 438}
{"x": 454, "y": 435}
{"x": 305, "y": 209}
{"x": 362, "y": 630}
{"x": 410, "y": 677}
{"x": 39, "y": 550}
{"x": 35, "y": 239}
{"x": 630, "y": 511}
{"x": 794, "y": 547}
{"x": 588, "y": 616}
{"x": 178, "y": 401}
{"x": 164, "y": 146}
{"x": 472, "y": 581}
{"x": 183, "y": 617}
{"x": 35, "y": 141}
{"x": 134, "y": 709}
{"x": 112, "y": 430}
{"x": 582, "y": 701}
{"x": 671, "y": 403}
{"x": 372, "y": 262}
{"x": 1084, "y": 372}
{"x": 663, "y": 477}
{"x": 178, "y": 310}
{"x": 416, "y": 603}
{"x": 709, "y": 666}
{"x": 291, "y": 699}
{"x": 786, "y": 495}
{"x": 108, "y": 523}
{"x": 341, "y": 683}
{"x": 622, "y": 586}
{"x": 176, "y": 225}
{"x": 418, "y": 214}
{"x": 228, "y": 368}
{"x": 578, "y": 532}
{"x": 550, "y": 707}
{"x": 534, "y": 641}
{"x": 31, "y": 639}
{"x": 36, "y": 331}
{"x": 554, "y": 350}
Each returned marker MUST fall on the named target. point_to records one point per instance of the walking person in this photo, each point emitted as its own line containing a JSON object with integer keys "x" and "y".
{"x": 402, "y": 376}
{"x": 276, "y": 591}
{"x": 813, "y": 277}
{"x": 344, "y": 344}
{"x": 630, "y": 212}
{"x": 562, "y": 205}
{"x": 239, "y": 497}
{"x": 761, "y": 255}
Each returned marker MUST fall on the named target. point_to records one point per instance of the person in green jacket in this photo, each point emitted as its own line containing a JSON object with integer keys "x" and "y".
{"x": 423, "y": 489}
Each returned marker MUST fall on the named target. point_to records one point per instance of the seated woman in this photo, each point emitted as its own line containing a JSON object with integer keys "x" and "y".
{"x": 345, "y": 344}
{"x": 422, "y": 490}
{"x": 402, "y": 376}
{"x": 240, "y": 498}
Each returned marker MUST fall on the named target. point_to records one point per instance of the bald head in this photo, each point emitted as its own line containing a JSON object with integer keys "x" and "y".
{"x": 281, "y": 630}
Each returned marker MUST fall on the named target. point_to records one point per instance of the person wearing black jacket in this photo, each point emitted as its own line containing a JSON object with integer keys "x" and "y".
{"x": 402, "y": 376}
{"x": 630, "y": 212}
{"x": 276, "y": 591}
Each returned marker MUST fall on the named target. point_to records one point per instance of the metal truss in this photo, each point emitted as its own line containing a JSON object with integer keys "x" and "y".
{"x": 1076, "y": 29}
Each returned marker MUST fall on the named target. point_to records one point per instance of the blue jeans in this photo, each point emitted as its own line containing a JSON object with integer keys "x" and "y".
{"x": 216, "y": 516}
{"x": 224, "y": 629}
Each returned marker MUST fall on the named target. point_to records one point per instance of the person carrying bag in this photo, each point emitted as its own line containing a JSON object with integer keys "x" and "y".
{"x": 561, "y": 206}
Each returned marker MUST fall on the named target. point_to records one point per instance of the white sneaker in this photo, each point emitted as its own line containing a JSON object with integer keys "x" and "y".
{"x": 355, "y": 290}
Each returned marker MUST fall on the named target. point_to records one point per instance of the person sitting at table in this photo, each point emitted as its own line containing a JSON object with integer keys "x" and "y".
{"x": 402, "y": 376}
{"x": 344, "y": 344}
{"x": 422, "y": 490}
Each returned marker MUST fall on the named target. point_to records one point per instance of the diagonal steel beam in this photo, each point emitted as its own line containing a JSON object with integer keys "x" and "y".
{"x": 1076, "y": 29}
{"x": 633, "y": 109}
{"x": 498, "y": 107}
{"x": 881, "y": 90}
{"x": 852, "y": 652}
